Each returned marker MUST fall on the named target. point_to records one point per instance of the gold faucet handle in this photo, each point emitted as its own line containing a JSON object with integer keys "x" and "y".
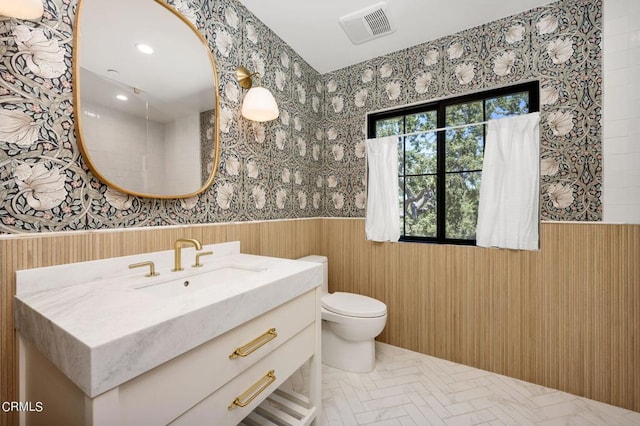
{"x": 150, "y": 264}
{"x": 198, "y": 264}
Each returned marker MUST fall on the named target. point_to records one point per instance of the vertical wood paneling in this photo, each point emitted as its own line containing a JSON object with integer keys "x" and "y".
{"x": 635, "y": 316}
{"x": 7, "y": 360}
{"x": 566, "y": 316}
{"x": 290, "y": 239}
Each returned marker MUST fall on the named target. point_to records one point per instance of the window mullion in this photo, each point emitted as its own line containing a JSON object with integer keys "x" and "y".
{"x": 441, "y": 173}
{"x": 404, "y": 176}
{"x": 484, "y": 126}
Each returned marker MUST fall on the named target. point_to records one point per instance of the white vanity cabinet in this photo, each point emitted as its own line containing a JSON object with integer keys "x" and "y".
{"x": 202, "y": 384}
{"x": 198, "y": 387}
{"x": 221, "y": 381}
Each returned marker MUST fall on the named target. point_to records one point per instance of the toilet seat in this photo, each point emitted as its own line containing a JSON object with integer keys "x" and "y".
{"x": 354, "y": 305}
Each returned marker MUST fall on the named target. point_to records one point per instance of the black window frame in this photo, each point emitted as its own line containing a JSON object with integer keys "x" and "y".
{"x": 533, "y": 89}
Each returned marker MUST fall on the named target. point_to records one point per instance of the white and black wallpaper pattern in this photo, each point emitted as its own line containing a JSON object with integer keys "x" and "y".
{"x": 310, "y": 161}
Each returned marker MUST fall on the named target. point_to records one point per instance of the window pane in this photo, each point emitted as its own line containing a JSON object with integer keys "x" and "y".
{"x": 505, "y": 106}
{"x": 419, "y": 209}
{"x": 464, "y": 146}
{"x": 467, "y": 113}
{"x": 420, "y": 154}
{"x": 390, "y": 127}
{"x": 422, "y": 121}
{"x": 462, "y": 191}
{"x": 401, "y": 170}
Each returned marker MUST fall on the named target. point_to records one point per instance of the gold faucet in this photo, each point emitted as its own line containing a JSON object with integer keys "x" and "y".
{"x": 152, "y": 268}
{"x": 177, "y": 246}
{"x": 198, "y": 256}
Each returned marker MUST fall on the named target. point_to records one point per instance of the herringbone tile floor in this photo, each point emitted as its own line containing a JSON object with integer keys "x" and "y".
{"x": 408, "y": 388}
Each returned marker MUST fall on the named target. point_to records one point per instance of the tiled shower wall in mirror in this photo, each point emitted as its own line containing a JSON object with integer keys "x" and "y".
{"x": 310, "y": 161}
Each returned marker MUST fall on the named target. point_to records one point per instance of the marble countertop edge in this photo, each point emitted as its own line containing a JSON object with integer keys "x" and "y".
{"x": 98, "y": 359}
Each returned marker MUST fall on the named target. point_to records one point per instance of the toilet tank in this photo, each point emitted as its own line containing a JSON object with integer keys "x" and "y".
{"x": 325, "y": 269}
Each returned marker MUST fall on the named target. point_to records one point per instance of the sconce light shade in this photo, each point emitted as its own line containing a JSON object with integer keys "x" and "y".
{"x": 259, "y": 105}
{"x": 21, "y": 9}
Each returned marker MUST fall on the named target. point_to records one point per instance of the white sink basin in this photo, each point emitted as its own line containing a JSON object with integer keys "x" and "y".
{"x": 220, "y": 275}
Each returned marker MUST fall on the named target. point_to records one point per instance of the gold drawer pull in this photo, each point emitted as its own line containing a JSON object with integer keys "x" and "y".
{"x": 256, "y": 343}
{"x": 256, "y": 389}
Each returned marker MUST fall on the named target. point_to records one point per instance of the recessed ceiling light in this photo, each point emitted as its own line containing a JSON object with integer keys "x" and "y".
{"x": 121, "y": 97}
{"x": 144, "y": 48}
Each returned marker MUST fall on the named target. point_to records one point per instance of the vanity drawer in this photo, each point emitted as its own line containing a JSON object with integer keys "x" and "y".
{"x": 188, "y": 379}
{"x": 282, "y": 363}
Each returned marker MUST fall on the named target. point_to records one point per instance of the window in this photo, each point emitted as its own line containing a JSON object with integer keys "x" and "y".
{"x": 440, "y": 171}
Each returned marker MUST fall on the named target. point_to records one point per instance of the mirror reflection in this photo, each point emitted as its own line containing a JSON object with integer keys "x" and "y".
{"x": 145, "y": 98}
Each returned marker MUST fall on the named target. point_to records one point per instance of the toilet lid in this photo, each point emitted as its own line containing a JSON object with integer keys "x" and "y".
{"x": 354, "y": 305}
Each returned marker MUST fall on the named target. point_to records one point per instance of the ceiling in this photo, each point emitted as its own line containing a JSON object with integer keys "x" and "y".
{"x": 312, "y": 29}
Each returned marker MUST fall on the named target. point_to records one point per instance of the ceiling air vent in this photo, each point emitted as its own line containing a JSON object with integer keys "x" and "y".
{"x": 367, "y": 24}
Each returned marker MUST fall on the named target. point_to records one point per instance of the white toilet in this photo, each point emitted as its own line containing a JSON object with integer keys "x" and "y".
{"x": 350, "y": 323}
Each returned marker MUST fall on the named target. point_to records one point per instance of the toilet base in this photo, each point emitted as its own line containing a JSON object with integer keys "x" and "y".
{"x": 357, "y": 357}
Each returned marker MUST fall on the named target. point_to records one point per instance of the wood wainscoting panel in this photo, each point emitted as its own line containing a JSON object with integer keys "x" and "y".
{"x": 566, "y": 316}
{"x": 282, "y": 238}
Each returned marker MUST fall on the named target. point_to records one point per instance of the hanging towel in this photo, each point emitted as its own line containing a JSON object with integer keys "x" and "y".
{"x": 509, "y": 189}
{"x": 382, "y": 221}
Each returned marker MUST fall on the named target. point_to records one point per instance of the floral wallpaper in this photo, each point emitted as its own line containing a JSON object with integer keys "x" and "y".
{"x": 310, "y": 161}
{"x": 265, "y": 170}
{"x": 559, "y": 45}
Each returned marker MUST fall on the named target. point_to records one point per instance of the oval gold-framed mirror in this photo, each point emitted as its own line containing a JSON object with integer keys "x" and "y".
{"x": 145, "y": 98}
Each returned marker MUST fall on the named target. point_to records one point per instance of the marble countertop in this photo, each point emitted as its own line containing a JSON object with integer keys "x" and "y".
{"x": 102, "y": 324}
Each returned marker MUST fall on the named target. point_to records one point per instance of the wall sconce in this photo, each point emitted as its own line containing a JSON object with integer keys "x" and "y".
{"x": 258, "y": 103}
{"x": 21, "y": 9}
